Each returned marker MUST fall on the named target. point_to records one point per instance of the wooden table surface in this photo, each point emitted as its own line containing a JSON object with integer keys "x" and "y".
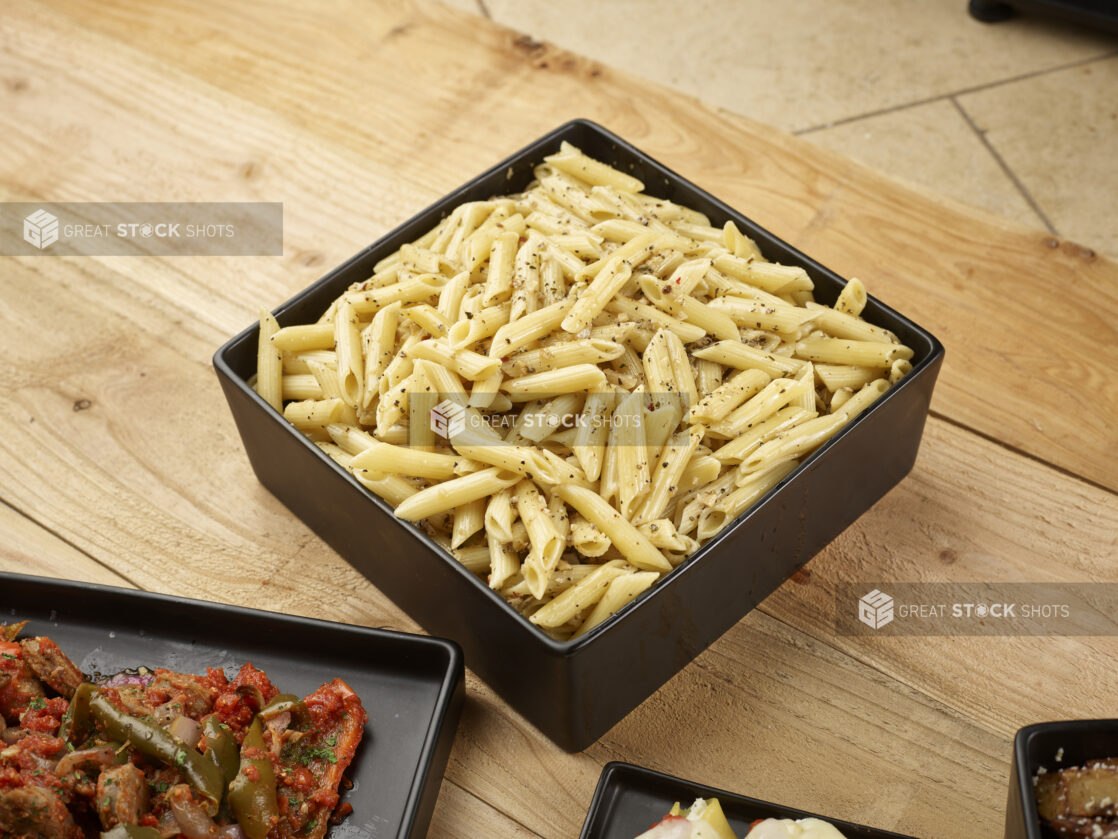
{"x": 120, "y": 464}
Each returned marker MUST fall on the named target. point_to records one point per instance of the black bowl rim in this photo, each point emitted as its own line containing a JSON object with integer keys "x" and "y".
{"x": 616, "y": 767}
{"x": 1026, "y": 771}
{"x": 572, "y": 646}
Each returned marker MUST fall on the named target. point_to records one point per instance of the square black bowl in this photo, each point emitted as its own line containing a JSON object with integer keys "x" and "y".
{"x": 1053, "y": 746}
{"x": 574, "y": 691}
{"x": 630, "y": 799}
{"x": 411, "y": 685}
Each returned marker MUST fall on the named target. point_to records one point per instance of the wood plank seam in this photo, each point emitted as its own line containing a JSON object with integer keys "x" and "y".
{"x": 962, "y": 426}
{"x": 55, "y": 534}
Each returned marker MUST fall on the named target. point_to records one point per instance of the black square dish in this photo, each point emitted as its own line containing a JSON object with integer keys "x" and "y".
{"x": 411, "y": 685}
{"x": 574, "y": 691}
{"x": 1051, "y": 746}
{"x": 630, "y": 799}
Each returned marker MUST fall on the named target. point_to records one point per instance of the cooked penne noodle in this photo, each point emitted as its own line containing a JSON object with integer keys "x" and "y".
{"x": 519, "y": 334}
{"x": 587, "y": 538}
{"x": 547, "y": 543}
{"x": 378, "y": 340}
{"x": 469, "y": 519}
{"x": 652, "y": 318}
{"x": 621, "y": 590}
{"x": 503, "y": 561}
{"x": 300, "y": 386}
{"x": 498, "y": 282}
{"x": 337, "y": 453}
{"x": 837, "y": 376}
{"x": 413, "y": 290}
{"x": 316, "y": 414}
{"x": 844, "y": 351}
{"x": 566, "y": 354}
{"x": 741, "y": 446}
{"x": 269, "y": 362}
{"x": 771, "y": 398}
{"x": 852, "y": 298}
{"x": 296, "y": 362}
{"x": 392, "y": 488}
{"x": 466, "y": 333}
{"x": 608, "y": 280}
{"x": 841, "y": 325}
{"x": 632, "y": 544}
{"x": 767, "y": 276}
{"x": 744, "y": 357}
{"x": 466, "y": 363}
{"x": 579, "y": 597}
{"x": 474, "y": 558}
{"x": 449, "y": 494}
{"x": 311, "y": 336}
{"x": 574, "y": 379}
{"x": 780, "y": 318}
{"x": 574, "y": 162}
{"x": 700, "y": 472}
{"x": 738, "y": 243}
{"x": 667, "y": 474}
{"x": 713, "y": 519}
{"x": 407, "y": 460}
{"x": 633, "y": 477}
{"x": 499, "y": 515}
{"x": 351, "y": 362}
{"x": 741, "y": 386}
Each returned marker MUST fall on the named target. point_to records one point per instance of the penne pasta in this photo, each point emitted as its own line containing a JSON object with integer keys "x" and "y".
{"x": 572, "y": 388}
{"x": 269, "y": 363}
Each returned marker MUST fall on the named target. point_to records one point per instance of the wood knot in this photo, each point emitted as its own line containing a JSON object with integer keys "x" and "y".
{"x": 310, "y": 259}
{"x": 948, "y": 556}
{"x": 249, "y": 170}
{"x": 803, "y": 576}
{"x": 17, "y": 85}
{"x": 528, "y": 45}
{"x": 82, "y": 405}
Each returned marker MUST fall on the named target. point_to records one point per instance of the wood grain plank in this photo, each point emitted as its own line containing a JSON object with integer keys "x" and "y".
{"x": 971, "y": 512}
{"x": 427, "y": 96}
{"x": 28, "y": 548}
{"x": 461, "y": 815}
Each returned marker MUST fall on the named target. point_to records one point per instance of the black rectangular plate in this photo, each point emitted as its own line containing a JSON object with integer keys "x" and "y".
{"x": 630, "y": 799}
{"x": 411, "y": 685}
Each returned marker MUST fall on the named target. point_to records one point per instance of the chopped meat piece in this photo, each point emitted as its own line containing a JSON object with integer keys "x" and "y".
{"x": 233, "y": 705}
{"x": 173, "y": 694}
{"x": 51, "y": 665}
{"x": 10, "y": 631}
{"x": 21, "y": 686}
{"x": 122, "y": 795}
{"x": 33, "y": 812}
{"x": 43, "y": 715}
{"x": 312, "y": 768}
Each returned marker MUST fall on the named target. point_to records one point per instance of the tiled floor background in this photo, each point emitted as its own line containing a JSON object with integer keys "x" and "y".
{"x": 1019, "y": 118}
